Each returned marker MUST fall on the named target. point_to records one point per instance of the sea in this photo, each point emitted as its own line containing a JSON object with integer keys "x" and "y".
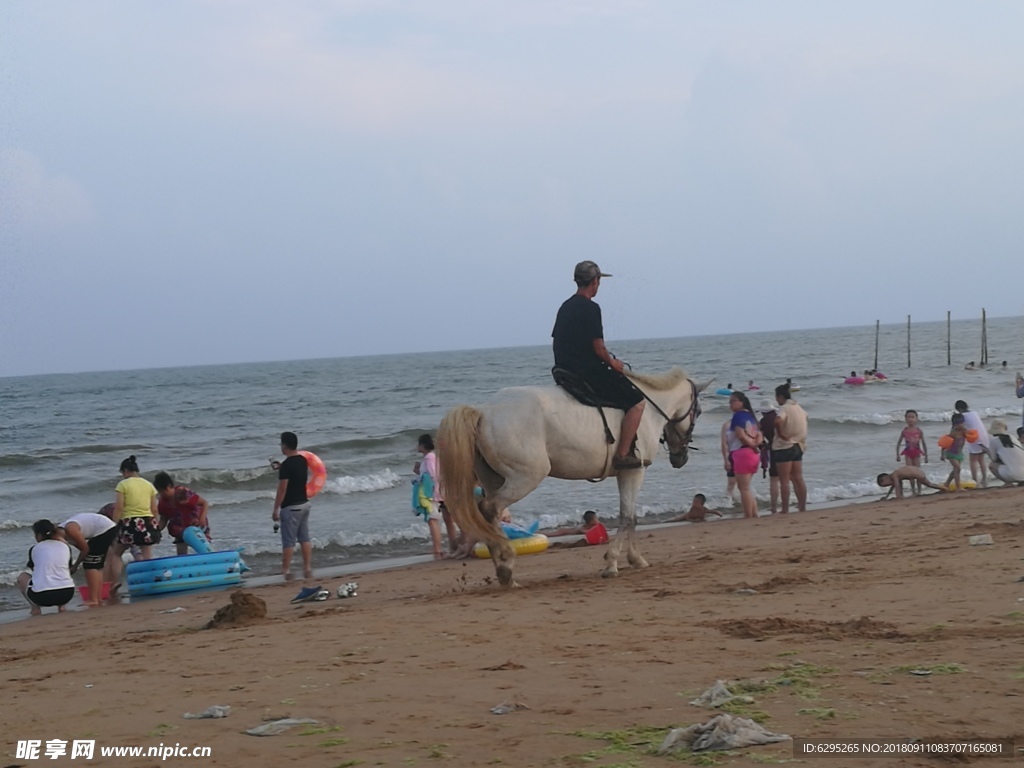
{"x": 215, "y": 428}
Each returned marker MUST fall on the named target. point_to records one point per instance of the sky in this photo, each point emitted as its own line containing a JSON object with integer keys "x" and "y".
{"x": 214, "y": 182}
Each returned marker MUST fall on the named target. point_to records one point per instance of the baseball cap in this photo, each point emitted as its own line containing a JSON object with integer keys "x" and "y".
{"x": 587, "y": 271}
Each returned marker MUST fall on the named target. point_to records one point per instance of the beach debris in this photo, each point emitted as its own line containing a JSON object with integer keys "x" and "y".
{"x": 348, "y": 589}
{"x": 723, "y": 731}
{"x": 280, "y": 726}
{"x": 980, "y": 538}
{"x": 921, "y": 672}
{"x": 245, "y": 608}
{"x": 715, "y": 696}
{"x": 88, "y": 685}
{"x": 746, "y": 591}
{"x": 212, "y": 712}
{"x": 507, "y": 708}
{"x": 179, "y": 609}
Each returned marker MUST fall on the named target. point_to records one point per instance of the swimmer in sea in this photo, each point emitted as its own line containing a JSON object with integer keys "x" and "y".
{"x": 894, "y": 480}
{"x": 914, "y": 446}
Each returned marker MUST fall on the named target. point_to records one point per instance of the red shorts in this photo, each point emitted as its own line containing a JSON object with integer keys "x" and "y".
{"x": 745, "y": 461}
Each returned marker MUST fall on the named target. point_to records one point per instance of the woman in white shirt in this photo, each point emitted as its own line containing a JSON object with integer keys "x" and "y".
{"x": 48, "y": 582}
{"x": 1007, "y": 456}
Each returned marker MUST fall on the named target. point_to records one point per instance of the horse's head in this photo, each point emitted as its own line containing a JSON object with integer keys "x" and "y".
{"x": 678, "y": 431}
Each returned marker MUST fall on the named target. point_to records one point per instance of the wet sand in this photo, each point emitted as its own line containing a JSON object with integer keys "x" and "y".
{"x": 833, "y": 608}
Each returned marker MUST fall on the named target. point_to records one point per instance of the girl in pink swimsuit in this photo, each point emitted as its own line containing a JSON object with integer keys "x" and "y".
{"x": 914, "y": 446}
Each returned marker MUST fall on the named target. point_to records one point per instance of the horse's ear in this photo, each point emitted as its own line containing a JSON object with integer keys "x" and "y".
{"x": 705, "y": 385}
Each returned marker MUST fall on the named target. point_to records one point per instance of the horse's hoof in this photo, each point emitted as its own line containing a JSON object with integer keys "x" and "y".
{"x": 639, "y": 563}
{"x": 609, "y": 573}
{"x": 504, "y": 574}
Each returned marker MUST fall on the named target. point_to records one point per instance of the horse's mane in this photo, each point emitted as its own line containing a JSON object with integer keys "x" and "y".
{"x": 658, "y": 381}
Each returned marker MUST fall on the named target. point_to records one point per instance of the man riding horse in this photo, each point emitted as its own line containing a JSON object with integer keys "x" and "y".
{"x": 579, "y": 350}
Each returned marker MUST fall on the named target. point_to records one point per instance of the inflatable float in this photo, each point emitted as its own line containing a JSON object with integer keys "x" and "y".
{"x": 946, "y": 441}
{"x": 528, "y": 546}
{"x": 317, "y": 474}
{"x": 183, "y": 573}
{"x": 723, "y": 391}
{"x": 965, "y": 484}
{"x": 854, "y": 380}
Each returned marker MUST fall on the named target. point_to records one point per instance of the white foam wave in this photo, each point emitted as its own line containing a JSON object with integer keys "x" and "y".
{"x": 378, "y": 481}
{"x": 13, "y": 525}
{"x": 927, "y": 417}
{"x": 10, "y": 578}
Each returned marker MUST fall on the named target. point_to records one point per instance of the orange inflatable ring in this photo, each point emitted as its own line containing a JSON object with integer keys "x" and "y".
{"x": 317, "y": 474}
{"x": 946, "y": 441}
{"x": 972, "y": 435}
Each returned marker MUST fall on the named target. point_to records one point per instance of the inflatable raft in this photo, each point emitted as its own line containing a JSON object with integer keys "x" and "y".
{"x": 528, "y": 546}
{"x": 183, "y": 573}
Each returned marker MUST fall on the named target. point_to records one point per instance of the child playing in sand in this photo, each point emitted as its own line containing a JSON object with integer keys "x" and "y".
{"x": 954, "y": 454}
{"x": 914, "y": 446}
{"x": 914, "y": 475}
{"x": 697, "y": 512}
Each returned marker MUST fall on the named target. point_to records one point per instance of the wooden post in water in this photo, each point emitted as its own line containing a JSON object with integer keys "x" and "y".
{"x": 876, "y": 344}
{"x": 949, "y": 346}
{"x": 908, "y": 341}
{"x": 984, "y": 339}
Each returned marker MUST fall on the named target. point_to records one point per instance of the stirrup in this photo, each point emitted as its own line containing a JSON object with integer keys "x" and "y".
{"x": 627, "y": 462}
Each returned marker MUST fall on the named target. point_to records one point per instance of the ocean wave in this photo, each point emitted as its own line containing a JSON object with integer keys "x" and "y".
{"x": 404, "y": 440}
{"x": 13, "y": 525}
{"x": 50, "y": 454}
{"x": 10, "y": 578}
{"x": 378, "y": 481}
{"x": 898, "y": 417}
{"x": 222, "y": 478}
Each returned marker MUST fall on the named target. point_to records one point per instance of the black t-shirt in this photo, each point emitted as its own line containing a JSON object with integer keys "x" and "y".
{"x": 295, "y": 470}
{"x": 577, "y": 325}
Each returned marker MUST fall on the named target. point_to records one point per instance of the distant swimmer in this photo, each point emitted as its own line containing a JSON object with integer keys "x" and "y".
{"x": 894, "y": 480}
{"x": 970, "y": 366}
{"x": 791, "y": 386}
{"x": 751, "y": 386}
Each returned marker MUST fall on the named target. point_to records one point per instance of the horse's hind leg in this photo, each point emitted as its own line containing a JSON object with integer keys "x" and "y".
{"x": 629, "y": 488}
{"x": 515, "y": 487}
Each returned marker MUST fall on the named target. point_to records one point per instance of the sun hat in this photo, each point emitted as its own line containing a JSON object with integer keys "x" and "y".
{"x": 998, "y": 428}
{"x": 587, "y": 271}
{"x": 766, "y": 405}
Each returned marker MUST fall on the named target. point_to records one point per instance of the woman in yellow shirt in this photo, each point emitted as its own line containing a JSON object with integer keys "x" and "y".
{"x": 136, "y": 515}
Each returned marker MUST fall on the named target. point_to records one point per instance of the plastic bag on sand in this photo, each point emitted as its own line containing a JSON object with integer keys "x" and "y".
{"x": 280, "y": 726}
{"x": 715, "y": 696}
{"x": 217, "y": 710}
{"x": 723, "y": 731}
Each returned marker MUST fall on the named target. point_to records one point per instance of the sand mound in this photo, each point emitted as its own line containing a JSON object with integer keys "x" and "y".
{"x": 245, "y": 608}
{"x": 756, "y": 629}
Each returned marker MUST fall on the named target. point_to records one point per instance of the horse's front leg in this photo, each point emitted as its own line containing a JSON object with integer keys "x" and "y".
{"x": 629, "y": 488}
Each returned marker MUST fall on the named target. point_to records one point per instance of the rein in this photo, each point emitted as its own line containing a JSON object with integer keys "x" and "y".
{"x": 691, "y": 414}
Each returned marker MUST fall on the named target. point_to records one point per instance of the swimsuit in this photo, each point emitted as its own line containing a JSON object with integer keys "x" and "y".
{"x": 912, "y": 443}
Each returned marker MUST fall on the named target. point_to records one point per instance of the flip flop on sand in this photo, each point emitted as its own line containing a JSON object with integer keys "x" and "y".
{"x": 309, "y": 594}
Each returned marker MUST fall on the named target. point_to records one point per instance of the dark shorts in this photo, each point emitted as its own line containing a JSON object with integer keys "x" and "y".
{"x": 613, "y": 389}
{"x": 98, "y": 546}
{"x": 137, "y": 532}
{"x": 795, "y": 453}
{"x": 50, "y": 598}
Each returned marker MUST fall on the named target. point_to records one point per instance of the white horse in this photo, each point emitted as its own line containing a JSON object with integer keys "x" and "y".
{"x": 530, "y": 433}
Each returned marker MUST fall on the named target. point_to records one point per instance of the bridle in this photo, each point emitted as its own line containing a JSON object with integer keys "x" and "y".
{"x": 692, "y": 413}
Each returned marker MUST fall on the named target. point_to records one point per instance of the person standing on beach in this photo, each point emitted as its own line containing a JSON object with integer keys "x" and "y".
{"x": 291, "y": 507}
{"x": 426, "y": 494}
{"x": 788, "y": 448}
{"x": 978, "y": 450}
{"x": 730, "y": 476}
{"x": 579, "y": 349}
{"x": 767, "y": 425}
{"x": 744, "y": 440}
{"x": 1020, "y": 394}
{"x": 136, "y": 515}
{"x": 914, "y": 446}
{"x": 180, "y": 508}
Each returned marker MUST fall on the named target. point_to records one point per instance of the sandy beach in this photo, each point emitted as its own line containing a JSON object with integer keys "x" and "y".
{"x": 867, "y": 621}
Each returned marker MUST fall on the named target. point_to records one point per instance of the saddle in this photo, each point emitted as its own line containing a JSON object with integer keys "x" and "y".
{"x": 584, "y": 394}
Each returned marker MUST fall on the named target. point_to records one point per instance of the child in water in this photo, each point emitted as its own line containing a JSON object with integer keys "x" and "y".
{"x": 955, "y": 453}
{"x": 697, "y": 512}
{"x": 914, "y": 447}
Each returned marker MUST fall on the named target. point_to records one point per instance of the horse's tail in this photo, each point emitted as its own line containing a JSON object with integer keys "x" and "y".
{"x": 456, "y": 443}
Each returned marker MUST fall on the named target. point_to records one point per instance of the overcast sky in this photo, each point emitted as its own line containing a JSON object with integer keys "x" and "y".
{"x": 214, "y": 182}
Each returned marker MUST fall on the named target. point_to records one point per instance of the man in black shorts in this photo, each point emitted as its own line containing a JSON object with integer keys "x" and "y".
{"x": 579, "y": 348}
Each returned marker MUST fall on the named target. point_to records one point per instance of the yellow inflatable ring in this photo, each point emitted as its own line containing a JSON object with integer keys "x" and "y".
{"x": 528, "y": 546}
{"x": 967, "y": 484}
